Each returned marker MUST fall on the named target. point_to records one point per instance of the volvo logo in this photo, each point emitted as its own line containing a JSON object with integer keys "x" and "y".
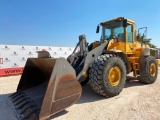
{"x": 49, "y": 48}
{"x": 70, "y": 49}
{"x": 15, "y": 65}
{"x": 6, "y": 60}
{"x": 30, "y": 53}
{"x": 23, "y": 48}
{"x": 60, "y": 49}
{"x": 37, "y": 48}
{"x": 22, "y": 59}
{"x": 14, "y": 54}
{"x": 5, "y": 48}
{"x": 54, "y": 53}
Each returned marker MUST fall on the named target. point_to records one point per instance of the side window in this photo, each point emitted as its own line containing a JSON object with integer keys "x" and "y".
{"x": 129, "y": 33}
{"x": 108, "y": 34}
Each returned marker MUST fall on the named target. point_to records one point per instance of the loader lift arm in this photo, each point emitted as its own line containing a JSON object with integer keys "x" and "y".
{"x": 82, "y": 59}
{"x": 76, "y": 59}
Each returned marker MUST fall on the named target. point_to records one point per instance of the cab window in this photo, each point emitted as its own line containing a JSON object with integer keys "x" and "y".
{"x": 129, "y": 33}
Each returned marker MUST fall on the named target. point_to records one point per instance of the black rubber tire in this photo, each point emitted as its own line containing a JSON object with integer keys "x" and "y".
{"x": 98, "y": 75}
{"x": 145, "y": 76}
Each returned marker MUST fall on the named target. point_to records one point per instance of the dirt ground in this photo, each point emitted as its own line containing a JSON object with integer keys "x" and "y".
{"x": 137, "y": 101}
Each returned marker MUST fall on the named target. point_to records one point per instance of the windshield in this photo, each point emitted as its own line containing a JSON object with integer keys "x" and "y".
{"x": 111, "y": 30}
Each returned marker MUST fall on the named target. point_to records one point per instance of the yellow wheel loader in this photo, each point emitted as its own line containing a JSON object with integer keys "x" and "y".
{"x": 50, "y": 85}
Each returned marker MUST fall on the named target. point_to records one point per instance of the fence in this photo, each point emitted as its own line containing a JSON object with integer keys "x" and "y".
{"x": 13, "y": 57}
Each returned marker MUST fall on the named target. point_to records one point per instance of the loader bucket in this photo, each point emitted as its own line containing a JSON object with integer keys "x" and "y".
{"x": 47, "y": 86}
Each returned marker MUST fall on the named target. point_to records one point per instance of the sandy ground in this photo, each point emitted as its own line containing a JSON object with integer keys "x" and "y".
{"x": 137, "y": 101}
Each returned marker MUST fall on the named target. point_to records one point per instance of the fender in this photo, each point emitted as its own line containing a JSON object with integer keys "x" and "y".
{"x": 145, "y": 53}
{"x": 120, "y": 54}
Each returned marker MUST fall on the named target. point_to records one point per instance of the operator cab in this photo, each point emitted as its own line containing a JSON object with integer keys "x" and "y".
{"x": 116, "y": 29}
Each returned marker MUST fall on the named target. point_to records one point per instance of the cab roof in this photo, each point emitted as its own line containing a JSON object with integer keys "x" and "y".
{"x": 120, "y": 19}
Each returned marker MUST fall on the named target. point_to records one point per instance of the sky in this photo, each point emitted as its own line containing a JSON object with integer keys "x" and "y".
{"x": 60, "y": 22}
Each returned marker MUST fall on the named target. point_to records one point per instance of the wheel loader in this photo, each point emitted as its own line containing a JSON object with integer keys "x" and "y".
{"x": 48, "y": 85}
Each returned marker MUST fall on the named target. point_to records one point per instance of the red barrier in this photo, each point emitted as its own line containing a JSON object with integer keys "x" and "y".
{"x": 11, "y": 71}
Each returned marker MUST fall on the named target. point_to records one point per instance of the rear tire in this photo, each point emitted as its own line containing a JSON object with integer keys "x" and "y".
{"x": 101, "y": 75}
{"x": 149, "y": 72}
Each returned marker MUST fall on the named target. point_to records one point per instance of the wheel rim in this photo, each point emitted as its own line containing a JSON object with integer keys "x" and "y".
{"x": 153, "y": 70}
{"x": 114, "y": 76}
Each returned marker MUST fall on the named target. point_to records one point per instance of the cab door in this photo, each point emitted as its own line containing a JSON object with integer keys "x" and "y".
{"x": 129, "y": 39}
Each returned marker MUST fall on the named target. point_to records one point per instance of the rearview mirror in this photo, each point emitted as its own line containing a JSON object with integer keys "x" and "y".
{"x": 125, "y": 23}
{"x": 97, "y": 30}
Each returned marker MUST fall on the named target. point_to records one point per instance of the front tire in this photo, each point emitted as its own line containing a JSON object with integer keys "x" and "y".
{"x": 149, "y": 72}
{"x": 107, "y": 75}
